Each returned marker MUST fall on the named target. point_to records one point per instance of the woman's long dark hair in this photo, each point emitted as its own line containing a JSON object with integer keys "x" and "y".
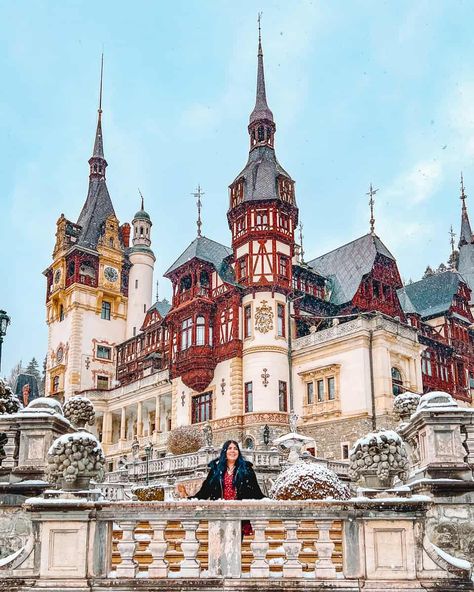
{"x": 240, "y": 464}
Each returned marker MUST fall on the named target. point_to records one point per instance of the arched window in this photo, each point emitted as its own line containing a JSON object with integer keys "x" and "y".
{"x": 71, "y": 268}
{"x": 61, "y": 312}
{"x": 185, "y": 283}
{"x": 200, "y": 331}
{"x": 204, "y": 279}
{"x": 248, "y": 443}
{"x": 397, "y": 382}
{"x": 55, "y": 384}
{"x": 261, "y": 133}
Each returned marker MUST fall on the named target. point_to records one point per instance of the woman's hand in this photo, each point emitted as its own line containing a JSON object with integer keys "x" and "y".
{"x": 181, "y": 490}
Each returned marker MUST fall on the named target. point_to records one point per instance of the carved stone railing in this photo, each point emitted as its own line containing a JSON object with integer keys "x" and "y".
{"x": 126, "y": 546}
{"x": 361, "y": 323}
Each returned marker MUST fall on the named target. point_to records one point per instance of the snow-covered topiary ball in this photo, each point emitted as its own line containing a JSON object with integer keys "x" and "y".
{"x": 80, "y": 411}
{"x": 185, "y": 439}
{"x": 308, "y": 481}
{"x": 8, "y": 402}
{"x": 75, "y": 457}
{"x": 405, "y": 404}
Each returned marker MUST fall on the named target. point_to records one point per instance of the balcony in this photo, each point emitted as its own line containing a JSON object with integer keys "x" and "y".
{"x": 196, "y": 366}
{"x": 195, "y": 292}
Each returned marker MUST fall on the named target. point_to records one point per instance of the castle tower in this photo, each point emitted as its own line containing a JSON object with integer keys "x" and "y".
{"x": 87, "y": 286}
{"x": 142, "y": 259}
{"x": 263, "y": 217}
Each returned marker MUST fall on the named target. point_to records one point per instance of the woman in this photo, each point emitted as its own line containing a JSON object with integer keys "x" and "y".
{"x": 230, "y": 477}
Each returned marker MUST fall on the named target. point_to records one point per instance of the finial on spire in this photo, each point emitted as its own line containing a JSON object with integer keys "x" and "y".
{"x": 259, "y": 19}
{"x": 157, "y": 290}
{"x": 198, "y": 194}
{"x": 261, "y": 110}
{"x": 300, "y": 228}
{"x": 101, "y": 79}
{"x": 371, "y": 193}
{"x": 452, "y": 234}
{"x": 143, "y": 202}
{"x": 463, "y": 194}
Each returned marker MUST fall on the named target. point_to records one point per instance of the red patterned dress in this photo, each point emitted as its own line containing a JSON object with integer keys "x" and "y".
{"x": 230, "y": 493}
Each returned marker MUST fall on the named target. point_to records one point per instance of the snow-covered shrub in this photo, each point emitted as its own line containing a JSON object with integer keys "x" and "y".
{"x": 75, "y": 457}
{"x": 80, "y": 411}
{"x": 8, "y": 402}
{"x": 405, "y": 404}
{"x": 308, "y": 481}
{"x": 381, "y": 454}
{"x": 44, "y": 405}
{"x": 185, "y": 439}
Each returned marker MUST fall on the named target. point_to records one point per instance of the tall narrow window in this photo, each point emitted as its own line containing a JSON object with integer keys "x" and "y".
{"x": 105, "y": 311}
{"x": 320, "y": 384}
{"x": 247, "y": 321}
{"x": 136, "y": 284}
{"x": 331, "y": 388}
{"x": 200, "y": 331}
{"x": 201, "y": 408}
{"x": 309, "y": 393}
{"x": 283, "y": 266}
{"x": 397, "y": 381}
{"x": 186, "y": 334}
{"x": 61, "y": 312}
{"x": 281, "y": 320}
{"x": 248, "y": 397}
{"x": 55, "y": 384}
{"x": 282, "y": 396}
{"x": 243, "y": 268}
{"x": 210, "y": 334}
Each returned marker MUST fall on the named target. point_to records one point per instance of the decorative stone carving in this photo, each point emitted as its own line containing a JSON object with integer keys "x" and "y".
{"x": 75, "y": 459}
{"x": 378, "y": 458}
{"x": 208, "y": 435}
{"x": 265, "y": 377}
{"x": 405, "y": 404}
{"x": 15, "y": 529}
{"x": 264, "y": 318}
{"x": 8, "y": 402}
{"x": 80, "y": 411}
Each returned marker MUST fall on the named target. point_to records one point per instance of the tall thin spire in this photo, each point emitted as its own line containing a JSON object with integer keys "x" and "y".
{"x": 371, "y": 193}
{"x": 300, "y": 228}
{"x": 465, "y": 236}
{"x": 261, "y": 110}
{"x": 99, "y": 143}
{"x": 198, "y": 194}
{"x": 143, "y": 201}
{"x": 452, "y": 235}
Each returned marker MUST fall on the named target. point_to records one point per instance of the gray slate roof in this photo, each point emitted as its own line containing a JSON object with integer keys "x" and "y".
{"x": 208, "y": 250}
{"x": 162, "y": 306}
{"x": 97, "y": 208}
{"x": 346, "y": 266}
{"x": 261, "y": 109}
{"x": 431, "y": 296}
{"x": 261, "y": 173}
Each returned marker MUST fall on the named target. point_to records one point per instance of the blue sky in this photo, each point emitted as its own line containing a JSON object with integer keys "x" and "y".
{"x": 362, "y": 92}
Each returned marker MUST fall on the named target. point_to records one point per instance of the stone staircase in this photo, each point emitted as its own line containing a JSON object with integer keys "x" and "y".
{"x": 275, "y": 534}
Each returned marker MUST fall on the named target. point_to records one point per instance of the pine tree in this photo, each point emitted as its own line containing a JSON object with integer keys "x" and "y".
{"x": 33, "y": 369}
{"x": 14, "y": 372}
{"x": 428, "y": 272}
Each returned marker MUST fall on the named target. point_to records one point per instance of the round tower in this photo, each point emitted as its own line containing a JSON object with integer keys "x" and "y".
{"x": 142, "y": 258}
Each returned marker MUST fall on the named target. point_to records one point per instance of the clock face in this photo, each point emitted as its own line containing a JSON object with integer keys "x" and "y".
{"x": 57, "y": 276}
{"x": 111, "y": 274}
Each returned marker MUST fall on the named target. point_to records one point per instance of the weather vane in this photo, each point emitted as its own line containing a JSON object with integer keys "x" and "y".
{"x": 371, "y": 194}
{"x": 300, "y": 227}
{"x": 463, "y": 194}
{"x": 198, "y": 194}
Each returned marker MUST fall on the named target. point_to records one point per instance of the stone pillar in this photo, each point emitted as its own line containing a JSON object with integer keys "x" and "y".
{"x": 139, "y": 419}
{"x": 123, "y": 423}
{"x": 107, "y": 427}
{"x": 224, "y": 548}
{"x": 157, "y": 414}
{"x": 236, "y": 387}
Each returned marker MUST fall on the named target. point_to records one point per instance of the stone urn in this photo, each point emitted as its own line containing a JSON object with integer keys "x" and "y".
{"x": 79, "y": 411}
{"x": 75, "y": 459}
{"x": 377, "y": 459}
{"x": 405, "y": 405}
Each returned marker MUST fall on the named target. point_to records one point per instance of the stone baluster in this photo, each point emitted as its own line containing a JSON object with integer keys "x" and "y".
{"x": 190, "y": 566}
{"x": 127, "y": 547}
{"x": 324, "y": 568}
{"x": 259, "y": 567}
{"x": 292, "y": 568}
{"x": 158, "y": 546}
{"x": 11, "y": 459}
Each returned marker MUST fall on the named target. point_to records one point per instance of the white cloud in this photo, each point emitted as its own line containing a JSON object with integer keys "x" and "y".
{"x": 416, "y": 185}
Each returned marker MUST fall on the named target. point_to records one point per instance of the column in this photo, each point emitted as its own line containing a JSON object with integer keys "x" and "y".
{"x": 107, "y": 427}
{"x": 123, "y": 423}
{"x": 139, "y": 419}
{"x": 157, "y": 414}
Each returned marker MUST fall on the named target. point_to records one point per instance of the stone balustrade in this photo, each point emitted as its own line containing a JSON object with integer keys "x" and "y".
{"x": 97, "y": 545}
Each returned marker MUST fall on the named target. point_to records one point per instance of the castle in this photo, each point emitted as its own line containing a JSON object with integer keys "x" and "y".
{"x": 254, "y": 331}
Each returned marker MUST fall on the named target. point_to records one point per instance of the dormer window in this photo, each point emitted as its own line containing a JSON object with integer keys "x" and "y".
{"x": 261, "y": 133}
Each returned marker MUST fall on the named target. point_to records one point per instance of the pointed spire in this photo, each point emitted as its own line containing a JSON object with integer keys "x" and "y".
{"x": 465, "y": 236}
{"x": 143, "y": 201}
{"x": 371, "y": 193}
{"x": 300, "y": 228}
{"x": 261, "y": 110}
{"x": 99, "y": 144}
